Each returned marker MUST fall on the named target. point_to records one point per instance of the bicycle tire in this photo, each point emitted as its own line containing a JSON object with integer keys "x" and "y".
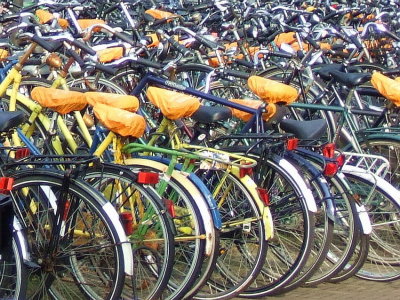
{"x": 186, "y": 266}
{"x": 282, "y": 173}
{"x": 383, "y": 207}
{"x": 324, "y": 224}
{"x": 13, "y": 281}
{"x": 39, "y": 189}
{"x": 243, "y": 250}
{"x": 153, "y": 261}
{"x": 350, "y": 245}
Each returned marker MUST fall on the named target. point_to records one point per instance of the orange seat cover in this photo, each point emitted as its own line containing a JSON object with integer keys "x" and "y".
{"x": 244, "y": 116}
{"x": 61, "y": 101}
{"x": 44, "y": 17}
{"x": 125, "y": 102}
{"x": 388, "y": 87}
{"x": 110, "y": 54}
{"x": 85, "y": 23}
{"x": 119, "y": 121}
{"x": 160, "y": 14}
{"x": 287, "y": 38}
{"x": 272, "y": 91}
{"x": 290, "y": 39}
{"x": 173, "y": 105}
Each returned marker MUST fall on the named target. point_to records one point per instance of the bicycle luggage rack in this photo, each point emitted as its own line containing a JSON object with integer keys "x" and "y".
{"x": 64, "y": 161}
{"x": 375, "y": 164}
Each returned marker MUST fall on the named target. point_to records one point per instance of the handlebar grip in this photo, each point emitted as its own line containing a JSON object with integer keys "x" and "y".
{"x": 76, "y": 56}
{"x": 272, "y": 36}
{"x": 245, "y": 63}
{"x": 106, "y": 69}
{"x": 210, "y": 44}
{"x": 182, "y": 49}
{"x": 392, "y": 72}
{"x": 124, "y": 37}
{"x": 281, "y": 54}
{"x": 148, "y": 63}
{"x": 237, "y": 74}
{"x": 312, "y": 42}
{"x": 201, "y": 7}
{"x": 48, "y": 45}
{"x": 83, "y": 47}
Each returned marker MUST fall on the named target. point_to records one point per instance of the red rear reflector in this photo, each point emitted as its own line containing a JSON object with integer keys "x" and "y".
{"x": 264, "y": 195}
{"x": 66, "y": 210}
{"x": 330, "y": 169}
{"x": 292, "y": 144}
{"x": 329, "y": 150}
{"x": 6, "y": 184}
{"x": 22, "y": 153}
{"x": 169, "y": 205}
{"x": 148, "y": 178}
{"x": 127, "y": 222}
{"x": 245, "y": 171}
{"x": 341, "y": 159}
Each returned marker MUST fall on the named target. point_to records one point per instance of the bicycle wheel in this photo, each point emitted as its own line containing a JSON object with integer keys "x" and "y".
{"x": 153, "y": 260}
{"x": 13, "y": 279}
{"x": 294, "y": 222}
{"x": 382, "y": 202}
{"x": 243, "y": 245}
{"x": 349, "y": 246}
{"x": 89, "y": 259}
{"x": 192, "y": 221}
{"x": 324, "y": 224}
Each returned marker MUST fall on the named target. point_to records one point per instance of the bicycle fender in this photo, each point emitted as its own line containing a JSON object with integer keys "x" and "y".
{"x": 21, "y": 240}
{"x": 307, "y": 194}
{"x": 264, "y": 210}
{"x": 110, "y": 211}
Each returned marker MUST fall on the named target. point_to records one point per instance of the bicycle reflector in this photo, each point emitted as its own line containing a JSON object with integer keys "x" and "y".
{"x": 148, "y": 178}
{"x": 127, "y": 222}
{"x": 22, "y": 153}
{"x": 331, "y": 169}
{"x": 341, "y": 159}
{"x": 6, "y": 184}
{"x": 292, "y": 143}
{"x": 264, "y": 196}
{"x": 329, "y": 150}
{"x": 245, "y": 171}
{"x": 66, "y": 210}
{"x": 169, "y": 205}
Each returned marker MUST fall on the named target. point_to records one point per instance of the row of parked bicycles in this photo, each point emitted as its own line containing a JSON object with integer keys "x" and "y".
{"x": 197, "y": 150}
